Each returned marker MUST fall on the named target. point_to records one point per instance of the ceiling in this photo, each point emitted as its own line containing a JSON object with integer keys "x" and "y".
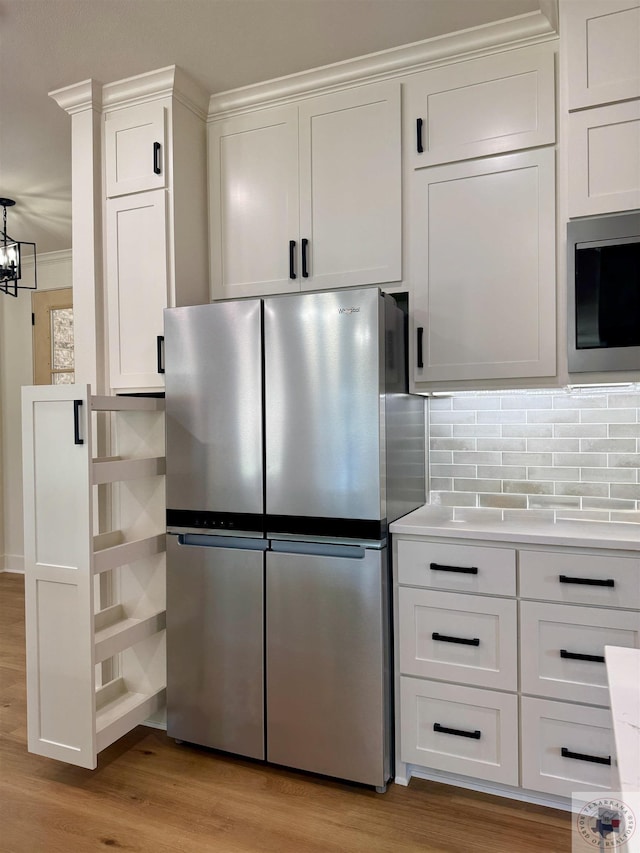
{"x": 222, "y": 44}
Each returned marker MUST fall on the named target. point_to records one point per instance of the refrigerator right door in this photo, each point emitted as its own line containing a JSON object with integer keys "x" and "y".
{"x": 322, "y": 406}
{"x": 327, "y": 639}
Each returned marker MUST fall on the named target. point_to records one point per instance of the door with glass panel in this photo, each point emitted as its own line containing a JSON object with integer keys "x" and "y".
{"x": 53, "y": 356}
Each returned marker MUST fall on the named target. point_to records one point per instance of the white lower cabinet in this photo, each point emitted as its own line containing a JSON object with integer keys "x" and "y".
{"x": 502, "y": 687}
{"x": 460, "y": 729}
{"x": 566, "y": 747}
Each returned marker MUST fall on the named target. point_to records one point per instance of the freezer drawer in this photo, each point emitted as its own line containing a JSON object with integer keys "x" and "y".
{"x": 215, "y": 652}
{"x": 328, "y": 686}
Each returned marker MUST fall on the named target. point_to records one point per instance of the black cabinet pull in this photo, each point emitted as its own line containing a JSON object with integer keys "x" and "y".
{"x": 420, "y": 331}
{"x": 461, "y": 640}
{"x": 160, "y": 353}
{"x": 305, "y": 271}
{"x": 463, "y": 570}
{"x": 459, "y": 732}
{"x": 579, "y": 756}
{"x": 587, "y": 581}
{"x": 419, "y": 136}
{"x": 157, "y": 169}
{"x": 578, "y": 656}
{"x": 292, "y": 257}
{"x": 76, "y": 422}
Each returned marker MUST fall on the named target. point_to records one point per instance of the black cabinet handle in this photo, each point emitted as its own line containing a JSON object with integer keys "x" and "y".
{"x": 463, "y": 570}
{"x": 459, "y": 732}
{"x": 419, "y": 136}
{"x": 160, "y": 353}
{"x": 157, "y": 168}
{"x": 579, "y": 756}
{"x": 305, "y": 271}
{"x": 578, "y": 656}
{"x": 292, "y": 257}
{"x": 461, "y": 640}
{"x": 587, "y": 581}
{"x": 76, "y": 422}
{"x": 420, "y": 331}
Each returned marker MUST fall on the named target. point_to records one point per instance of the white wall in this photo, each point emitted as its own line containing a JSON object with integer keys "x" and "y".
{"x": 16, "y": 370}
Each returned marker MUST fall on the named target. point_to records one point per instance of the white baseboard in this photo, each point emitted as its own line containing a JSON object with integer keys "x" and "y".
{"x": 12, "y": 563}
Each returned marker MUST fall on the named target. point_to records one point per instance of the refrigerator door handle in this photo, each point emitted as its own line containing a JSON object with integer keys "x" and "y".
{"x": 200, "y": 540}
{"x": 318, "y": 549}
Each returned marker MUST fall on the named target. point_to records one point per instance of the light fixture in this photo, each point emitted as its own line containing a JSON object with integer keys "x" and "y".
{"x": 12, "y": 257}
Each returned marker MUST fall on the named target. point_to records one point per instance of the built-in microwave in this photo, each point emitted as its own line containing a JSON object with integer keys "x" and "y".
{"x": 603, "y": 272}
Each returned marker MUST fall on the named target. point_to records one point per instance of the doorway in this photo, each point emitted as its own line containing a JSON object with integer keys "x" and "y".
{"x": 53, "y": 352}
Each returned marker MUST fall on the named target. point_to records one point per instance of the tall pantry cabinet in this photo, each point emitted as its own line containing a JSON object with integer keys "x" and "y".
{"x": 155, "y": 216}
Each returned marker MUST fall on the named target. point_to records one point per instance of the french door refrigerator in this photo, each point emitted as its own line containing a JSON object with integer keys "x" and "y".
{"x": 292, "y": 443}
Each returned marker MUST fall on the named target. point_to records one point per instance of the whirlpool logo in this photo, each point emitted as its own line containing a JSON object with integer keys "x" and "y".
{"x": 348, "y": 310}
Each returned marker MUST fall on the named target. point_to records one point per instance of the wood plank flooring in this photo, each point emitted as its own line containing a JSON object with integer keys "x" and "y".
{"x": 150, "y": 795}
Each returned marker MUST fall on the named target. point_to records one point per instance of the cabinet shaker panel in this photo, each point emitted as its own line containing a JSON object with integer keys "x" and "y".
{"x": 603, "y": 48}
{"x": 135, "y": 149}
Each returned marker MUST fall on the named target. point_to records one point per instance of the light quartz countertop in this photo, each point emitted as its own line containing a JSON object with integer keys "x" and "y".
{"x": 524, "y": 526}
{"x": 623, "y": 674}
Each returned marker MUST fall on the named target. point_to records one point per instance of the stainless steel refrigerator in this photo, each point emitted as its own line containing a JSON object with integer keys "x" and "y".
{"x": 291, "y": 445}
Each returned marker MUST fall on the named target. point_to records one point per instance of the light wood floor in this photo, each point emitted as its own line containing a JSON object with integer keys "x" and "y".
{"x": 150, "y": 795}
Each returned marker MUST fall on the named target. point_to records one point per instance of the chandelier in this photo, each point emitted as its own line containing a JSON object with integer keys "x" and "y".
{"x": 12, "y": 257}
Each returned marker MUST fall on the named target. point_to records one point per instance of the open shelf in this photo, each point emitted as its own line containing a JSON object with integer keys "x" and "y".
{"x": 118, "y": 710}
{"x": 113, "y": 469}
{"x": 110, "y": 550}
{"x": 115, "y": 631}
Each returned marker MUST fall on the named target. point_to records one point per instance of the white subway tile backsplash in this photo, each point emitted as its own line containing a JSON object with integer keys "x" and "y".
{"x": 564, "y": 454}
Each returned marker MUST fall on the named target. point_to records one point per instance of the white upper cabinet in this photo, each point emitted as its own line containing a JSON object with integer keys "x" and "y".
{"x": 604, "y": 169}
{"x": 307, "y": 196}
{"x": 253, "y": 169}
{"x": 480, "y": 107}
{"x": 482, "y": 265}
{"x": 135, "y": 149}
{"x": 603, "y": 47}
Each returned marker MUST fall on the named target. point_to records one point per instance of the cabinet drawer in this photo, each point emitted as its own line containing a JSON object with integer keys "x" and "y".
{"x": 566, "y": 747}
{"x": 460, "y": 729}
{"x": 580, "y": 578}
{"x": 467, "y": 638}
{"x": 459, "y": 568}
{"x": 562, "y": 649}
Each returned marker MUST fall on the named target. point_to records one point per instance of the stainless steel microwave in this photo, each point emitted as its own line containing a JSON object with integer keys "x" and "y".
{"x": 603, "y": 271}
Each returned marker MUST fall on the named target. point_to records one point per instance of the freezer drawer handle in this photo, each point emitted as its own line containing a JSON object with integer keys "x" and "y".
{"x": 292, "y": 256}
{"x": 577, "y": 656}
{"x": 419, "y": 136}
{"x": 76, "y": 422}
{"x": 463, "y": 641}
{"x": 579, "y": 756}
{"x": 159, "y": 345}
{"x": 463, "y": 570}
{"x": 587, "y": 581}
{"x": 459, "y": 732}
{"x": 157, "y": 169}
{"x": 305, "y": 271}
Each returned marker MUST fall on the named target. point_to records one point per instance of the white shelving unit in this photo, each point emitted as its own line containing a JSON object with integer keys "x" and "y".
{"x": 95, "y": 602}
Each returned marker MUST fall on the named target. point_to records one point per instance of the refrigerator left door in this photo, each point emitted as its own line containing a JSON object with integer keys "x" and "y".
{"x": 213, "y": 367}
{"x": 215, "y": 647}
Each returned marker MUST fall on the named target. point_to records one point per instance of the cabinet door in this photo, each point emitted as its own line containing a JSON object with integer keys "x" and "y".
{"x": 350, "y": 187}
{"x": 253, "y": 172}
{"x": 604, "y": 169}
{"x": 603, "y": 49}
{"x": 136, "y": 287}
{"x": 486, "y": 106}
{"x": 135, "y": 149}
{"x": 482, "y": 265}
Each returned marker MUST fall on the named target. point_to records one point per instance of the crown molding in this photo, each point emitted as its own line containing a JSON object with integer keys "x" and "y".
{"x": 167, "y": 82}
{"x": 79, "y": 97}
{"x": 532, "y": 28}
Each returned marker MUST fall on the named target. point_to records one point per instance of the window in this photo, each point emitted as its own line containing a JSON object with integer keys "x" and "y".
{"x": 53, "y": 356}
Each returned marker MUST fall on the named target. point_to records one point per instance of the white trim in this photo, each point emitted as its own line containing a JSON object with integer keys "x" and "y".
{"x": 523, "y": 794}
{"x": 62, "y": 256}
{"x": 79, "y": 96}
{"x": 170, "y": 81}
{"x": 518, "y": 31}
{"x": 14, "y": 563}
